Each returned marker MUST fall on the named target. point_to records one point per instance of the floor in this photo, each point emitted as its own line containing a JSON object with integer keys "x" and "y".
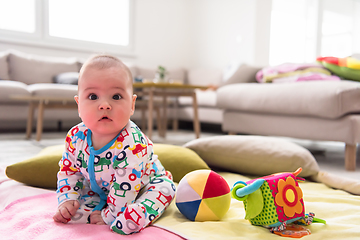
{"x": 329, "y": 155}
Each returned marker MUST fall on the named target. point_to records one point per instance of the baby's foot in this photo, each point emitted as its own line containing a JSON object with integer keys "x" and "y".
{"x": 132, "y": 220}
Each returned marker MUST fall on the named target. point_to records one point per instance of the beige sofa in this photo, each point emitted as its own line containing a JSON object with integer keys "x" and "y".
{"x": 32, "y": 75}
{"x": 314, "y": 110}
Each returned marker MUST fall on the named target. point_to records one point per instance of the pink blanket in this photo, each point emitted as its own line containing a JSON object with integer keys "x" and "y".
{"x": 31, "y": 218}
{"x": 275, "y": 74}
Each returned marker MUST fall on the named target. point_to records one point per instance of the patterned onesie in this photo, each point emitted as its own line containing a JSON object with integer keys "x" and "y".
{"x": 123, "y": 179}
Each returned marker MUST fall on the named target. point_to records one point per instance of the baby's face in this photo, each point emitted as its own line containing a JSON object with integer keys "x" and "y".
{"x": 105, "y": 100}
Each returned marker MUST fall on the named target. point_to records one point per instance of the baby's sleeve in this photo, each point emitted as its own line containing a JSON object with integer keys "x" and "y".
{"x": 69, "y": 177}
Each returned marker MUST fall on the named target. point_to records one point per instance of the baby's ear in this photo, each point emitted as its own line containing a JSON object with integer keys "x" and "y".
{"x": 133, "y": 104}
{"x": 76, "y": 97}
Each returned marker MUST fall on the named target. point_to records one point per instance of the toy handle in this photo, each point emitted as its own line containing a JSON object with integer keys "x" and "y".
{"x": 241, "y": 190}
{"x": 236, "y": 194}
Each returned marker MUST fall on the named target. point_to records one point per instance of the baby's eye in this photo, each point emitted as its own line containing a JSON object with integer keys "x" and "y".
{"x": 93, "y": 96}
{"x": 117, "y": 97}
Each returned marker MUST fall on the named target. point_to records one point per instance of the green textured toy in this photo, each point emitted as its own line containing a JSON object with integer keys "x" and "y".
{"x": 275, "y": 202}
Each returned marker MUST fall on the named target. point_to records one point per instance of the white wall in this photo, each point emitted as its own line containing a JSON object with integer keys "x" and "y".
{"x": 162, "y": 33}
{"x": 222, "y": 32}
{"x": 356, "y": 40}
{"x": 190, "y": 34}
{"x": 202, "y": 33}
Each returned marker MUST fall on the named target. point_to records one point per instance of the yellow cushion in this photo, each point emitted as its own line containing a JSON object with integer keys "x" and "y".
{"x": 38, "y": 171}
{"x": 41, "y": 170}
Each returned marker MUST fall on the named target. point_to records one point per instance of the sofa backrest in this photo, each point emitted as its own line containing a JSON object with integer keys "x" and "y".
{"x": 32, "y": 69}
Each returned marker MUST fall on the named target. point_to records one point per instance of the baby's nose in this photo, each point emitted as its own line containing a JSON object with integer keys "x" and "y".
{"x": 104, "y": 105}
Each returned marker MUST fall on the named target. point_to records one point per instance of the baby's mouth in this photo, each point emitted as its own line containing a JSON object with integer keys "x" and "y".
{"x": 105, "y": 118}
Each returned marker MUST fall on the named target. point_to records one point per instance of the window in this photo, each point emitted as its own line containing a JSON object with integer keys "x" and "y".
{"x": 90, "y": 25}
{"x": 17, "y": 18}
{"x": 305, "y": 29}
{"x": 293, "y": 31}
{"x": 337, "y": 28}
{"x": 105, "y": 21}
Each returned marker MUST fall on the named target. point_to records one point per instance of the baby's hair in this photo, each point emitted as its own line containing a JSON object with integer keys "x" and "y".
{"x": 104, "y": 61}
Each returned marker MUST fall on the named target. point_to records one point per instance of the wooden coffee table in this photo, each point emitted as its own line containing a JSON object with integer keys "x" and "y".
{"x": 149, "y": 89}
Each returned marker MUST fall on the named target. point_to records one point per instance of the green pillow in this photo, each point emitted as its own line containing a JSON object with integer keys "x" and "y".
{"x": 38, "y": 171}
{"x": 344, "y": 72}
{"x": 41, "y": 170}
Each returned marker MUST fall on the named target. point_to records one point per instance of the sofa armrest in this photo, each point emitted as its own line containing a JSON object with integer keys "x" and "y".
{"x": 243, "y": 73}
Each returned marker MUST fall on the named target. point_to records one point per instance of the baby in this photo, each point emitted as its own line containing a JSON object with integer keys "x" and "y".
{"x": 109, "y": 173}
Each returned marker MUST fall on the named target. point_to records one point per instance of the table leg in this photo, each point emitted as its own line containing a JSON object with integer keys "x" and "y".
{"x": 164, "y": 118}
{"x": 30, "y": 120}
{"x": 158, "y": 120}
{"x": 175, "y": 117}
{"x": 150, "y": 109}
{"x": 350, "y": 157}
{"x": 143, "y": 120}
{"x": 196, "y": 116}
{"x": 40, "y": 118}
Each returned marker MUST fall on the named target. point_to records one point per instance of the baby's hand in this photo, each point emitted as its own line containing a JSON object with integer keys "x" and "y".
{"x": 95, "y": 218}
{"x": 66, "y": 211}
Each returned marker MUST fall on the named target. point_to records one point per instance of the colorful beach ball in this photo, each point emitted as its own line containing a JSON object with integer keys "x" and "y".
{"x": 203, "y": 195}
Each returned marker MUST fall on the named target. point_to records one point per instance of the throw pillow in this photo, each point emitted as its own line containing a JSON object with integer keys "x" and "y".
{"x": 67, "y": 78}
{"x": 344, "y": 72}
{"x": 41, "y": 170}
{"x": 254, "y": 155}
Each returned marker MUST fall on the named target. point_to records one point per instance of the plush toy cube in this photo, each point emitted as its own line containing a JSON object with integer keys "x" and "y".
{"x": 272, "y": 200}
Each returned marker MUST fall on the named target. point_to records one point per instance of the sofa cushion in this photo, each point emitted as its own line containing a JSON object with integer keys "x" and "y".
{"x": 327, "y": 99}
{"x": 31, "y": 69}
{"x": 53, "y": 90}
{"x": 9, "y": 88}
{"x": 254, "y": 155}
{"x": 4, "y": 70}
